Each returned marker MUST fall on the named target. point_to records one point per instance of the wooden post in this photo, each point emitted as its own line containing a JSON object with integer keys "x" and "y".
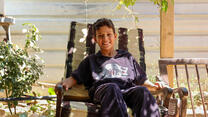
{"x": 167, "y": 37}
{"x": 1, "y": 8}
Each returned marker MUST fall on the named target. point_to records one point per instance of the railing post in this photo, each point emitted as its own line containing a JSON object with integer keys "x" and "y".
{"x": 2, "y": 8}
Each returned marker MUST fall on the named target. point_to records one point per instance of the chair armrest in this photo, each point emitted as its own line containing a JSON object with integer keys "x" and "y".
{"x": 182, "y": 91}
{"x": 76, "y": 93}
{"x": 166, "y": 95}
{"x": 60, "y": 88}
{"x": 163, "y": 96}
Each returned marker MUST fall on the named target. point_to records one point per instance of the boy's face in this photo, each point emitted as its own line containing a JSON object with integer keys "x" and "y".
{"x": 105, "y": 38}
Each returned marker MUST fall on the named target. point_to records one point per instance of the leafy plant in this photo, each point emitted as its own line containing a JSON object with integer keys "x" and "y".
{"x": 35, "y": 108}
{"x": 19, "y": 69}
{"x": 127, "y": 3}
{"x": 162, "y": 4}
{"x": 50, "y": 112}
{"x": 44, "y": 111}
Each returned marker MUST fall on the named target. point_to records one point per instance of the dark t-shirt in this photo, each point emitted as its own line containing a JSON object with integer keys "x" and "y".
{"x": 120, "y": 68}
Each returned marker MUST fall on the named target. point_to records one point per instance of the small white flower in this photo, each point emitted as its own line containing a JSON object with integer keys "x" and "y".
{"x": 2, "y": 72}
{"x": 37, "y": 30}
{"x": 16, "y": 46}
{"x": 42, "y": 61}
{"x": 41, "y": 51}
{"x": 31, "y": 44}
{"x": 24, "y": 30}
{"x": 37, "y": 37}
{"x": 36, "y": 56}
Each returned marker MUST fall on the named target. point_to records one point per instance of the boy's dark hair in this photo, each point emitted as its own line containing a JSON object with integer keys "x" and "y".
{"x": 103, "y": 22}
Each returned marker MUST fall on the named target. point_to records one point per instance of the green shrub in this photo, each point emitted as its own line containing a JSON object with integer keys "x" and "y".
{"x": 18, "y": 69}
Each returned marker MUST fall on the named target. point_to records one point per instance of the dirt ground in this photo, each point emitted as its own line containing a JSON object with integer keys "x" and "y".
{"x": 34, "y": 108}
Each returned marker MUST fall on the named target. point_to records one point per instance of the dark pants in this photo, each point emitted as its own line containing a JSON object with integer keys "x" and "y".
{"x": 114, "y": 101}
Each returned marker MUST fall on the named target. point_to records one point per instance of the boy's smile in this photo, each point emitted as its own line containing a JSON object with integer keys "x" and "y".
{"x": 105, "y": 38}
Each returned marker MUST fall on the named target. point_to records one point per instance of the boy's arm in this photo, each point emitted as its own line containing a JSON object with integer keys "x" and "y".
{"x": 66, "y": 83}
{"x": 154, "y": 87}
{"x": 150, "y": 86}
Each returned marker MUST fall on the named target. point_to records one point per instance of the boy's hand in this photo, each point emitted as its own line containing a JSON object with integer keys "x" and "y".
{"x": 67, "y": 83}
{"x": 160, "y": 84}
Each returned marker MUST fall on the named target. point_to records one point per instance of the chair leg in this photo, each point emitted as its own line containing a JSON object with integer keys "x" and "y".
{"x": 66, "y": 109}
{"x": 58, "y": 103}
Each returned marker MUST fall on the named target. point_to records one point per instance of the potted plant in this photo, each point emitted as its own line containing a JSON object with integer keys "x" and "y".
{"x": 19, "y": 69}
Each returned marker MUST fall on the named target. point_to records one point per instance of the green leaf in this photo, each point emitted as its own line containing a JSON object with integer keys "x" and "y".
{"x": 127, "y": 3}
{"x": 118, "y": 6}
{"x": 15, "y": 103}
{"x": 164, "y": 5}
{"x": 51, "y": 91}
{"x": 121, "y": 2}
{"x": 136, "y": 19}
{"x": 33, "y": 108}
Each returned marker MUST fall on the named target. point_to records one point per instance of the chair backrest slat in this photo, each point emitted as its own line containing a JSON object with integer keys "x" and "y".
{"x": 141, "y": 49}
{"x": 70, "y": 48}
{"x": 123, "y": 42}
{"x": 122, "y": 39}
{"x": 90, "y": 43}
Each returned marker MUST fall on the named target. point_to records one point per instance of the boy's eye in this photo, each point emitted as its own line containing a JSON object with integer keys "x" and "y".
{"x": 100, "y": 36}
{"x": 103, "y": 36}
{"x": 109, "y": 35}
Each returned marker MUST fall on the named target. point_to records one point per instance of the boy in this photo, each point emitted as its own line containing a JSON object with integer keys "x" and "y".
{"x": 113, "y": 78}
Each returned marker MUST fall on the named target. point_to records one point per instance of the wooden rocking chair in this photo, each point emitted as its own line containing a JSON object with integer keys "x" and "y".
{"x": 78, "y": 93}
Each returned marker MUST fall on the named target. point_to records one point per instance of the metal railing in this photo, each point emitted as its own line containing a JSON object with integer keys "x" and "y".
{"x": 186, "y": 65}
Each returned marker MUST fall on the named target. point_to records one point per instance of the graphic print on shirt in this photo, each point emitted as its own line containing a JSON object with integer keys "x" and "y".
{"x": 113, "y": 70}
